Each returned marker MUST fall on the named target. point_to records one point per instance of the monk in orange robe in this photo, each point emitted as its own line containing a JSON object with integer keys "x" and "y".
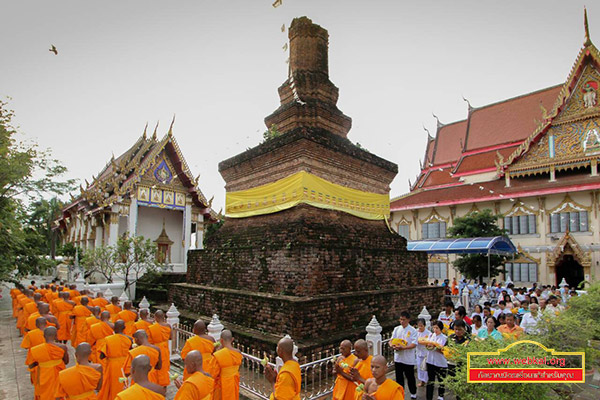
{"x": 30, "y": 309}
{"x": 31, "y": 339}
{"x": 114, "y": 349}
{"x": 64, "y": 308}
{"x": 226, "y": 365}
{"x": 79, "y": 328}
{"x": 100, "y": 301}
{"x": 144, "y": 322}
{"x": 14, "y": 292}
{"x": 379, "y": 387}
{"x": 143, "y": 388}
{"x": 113, "y": 308}
{"x": 49, "y": 358}
{"x": 199, "y": 385}
{"x": 25, "y": 303}
{"x": 144, "y": 347}
{"x": 159, "y": 334}
{"x": 50, "y": 294}
{"x": 99, "y": 332}
{"x": 89, "y": 321}
{"x": 286, "y": 383}
{"x": 201, "y": 342}
{"x": 82, "y": 380}
{"x": 129, "y": 316}
{"x": 362, "y": 370}
{"x": 345, "y": 388}
{"x": 73, "y": 292}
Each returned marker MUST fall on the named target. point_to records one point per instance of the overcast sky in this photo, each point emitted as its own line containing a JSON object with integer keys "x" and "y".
{"x": 217, "y": 65}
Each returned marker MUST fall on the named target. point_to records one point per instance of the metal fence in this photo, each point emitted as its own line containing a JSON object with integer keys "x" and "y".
{"x": 318, "y": 377}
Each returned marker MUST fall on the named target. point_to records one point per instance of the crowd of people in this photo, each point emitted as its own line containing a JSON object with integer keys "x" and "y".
{"x": 122, "y": 353}
{"x": 512, "y": 313}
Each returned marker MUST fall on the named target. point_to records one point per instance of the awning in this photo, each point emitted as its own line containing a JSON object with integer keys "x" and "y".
{"x": 482, "y": 245}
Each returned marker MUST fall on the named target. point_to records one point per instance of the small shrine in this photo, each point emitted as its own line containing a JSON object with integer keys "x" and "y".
{"x": 148, "y": 184}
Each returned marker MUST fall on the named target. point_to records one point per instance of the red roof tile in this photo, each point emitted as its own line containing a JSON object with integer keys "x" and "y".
{"x": 449, "y": 142}
{"x": 510, "y": 120}
{"x": 479, "y": 161}
{"x": 437, "y": 177}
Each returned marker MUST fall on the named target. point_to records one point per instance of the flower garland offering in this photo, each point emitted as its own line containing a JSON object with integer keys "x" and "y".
{"x": 264, "y": 361}
{"x": 174, "y": 376}
{"x": 217, "y": 345}
{"x": 398, "y": 342}
{"x": 360, "y": 387}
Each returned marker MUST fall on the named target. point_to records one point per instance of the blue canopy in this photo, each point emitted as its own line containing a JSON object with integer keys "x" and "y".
{"x": 482, "y": 245}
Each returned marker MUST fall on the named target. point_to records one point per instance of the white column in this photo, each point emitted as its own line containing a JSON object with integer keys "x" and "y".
{"x": 200, "y": 232}
{"x": 113, "y": 230}
{"x": 132, "y": 220}
{"x": 99, "y": 236}
{"x": 172, "y": 319}
{"x": 187, "y": 230}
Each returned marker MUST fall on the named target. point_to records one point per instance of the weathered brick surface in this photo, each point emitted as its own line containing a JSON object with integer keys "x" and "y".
{"x": 306, "y": 251}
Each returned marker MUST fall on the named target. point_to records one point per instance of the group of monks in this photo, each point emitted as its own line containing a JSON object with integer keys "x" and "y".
{"x": 361, "y": 376}
{"x": 123, "y": 354}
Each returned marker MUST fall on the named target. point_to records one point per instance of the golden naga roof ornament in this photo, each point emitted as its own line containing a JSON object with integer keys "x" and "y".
{"x": 145, "y": 129}
{"x": 170, "y": 133}
{"x": 155, "y": 129}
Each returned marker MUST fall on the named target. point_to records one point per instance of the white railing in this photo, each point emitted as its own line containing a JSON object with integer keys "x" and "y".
{"x": 318, "y": 377}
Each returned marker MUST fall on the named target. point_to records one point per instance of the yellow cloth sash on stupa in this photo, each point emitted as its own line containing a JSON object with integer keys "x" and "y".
{"x": 306, "y": 188}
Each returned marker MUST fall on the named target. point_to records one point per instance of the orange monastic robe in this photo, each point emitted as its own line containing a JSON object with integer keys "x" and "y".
{"x": 33, "y": 338}
{"x": 30, "y": 325}
{"x": 226, "y": 364}
{"x": 115, "y": 349}
{"x": 79, "y": 329}
{"x": 364, "y": 368}
{"x": 289, "y": 380}
{"x": 137, "y": 392}
{"x": 141, "y": 324}
{"x": 100, "y": 302}
{"x": 151, "y": 352}
{"x": 99, "y": 332}
{"x": 113, "y": 310}
{"x": 25, "y": 304}
{"x": 197, "y": 387}
{"x": 128, "y": 317}
{"x": 78, "y": 382}
{"x": 64, "y": 310}
{"x": 204, "y": 346}
{"x": 389, "y": 390}
{"x": 50, "y": 362}
{"x": 159, "y": 336}
{"x": 345, "y": 389}
{"x": 13, "y": 294}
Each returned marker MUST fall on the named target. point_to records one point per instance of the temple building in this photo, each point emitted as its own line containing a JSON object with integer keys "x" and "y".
{"x": 147, "y": 191}
{"x": 532, "y": 159}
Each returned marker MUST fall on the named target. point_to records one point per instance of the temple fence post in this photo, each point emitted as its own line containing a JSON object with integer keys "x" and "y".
{"x": 373, "y": 337}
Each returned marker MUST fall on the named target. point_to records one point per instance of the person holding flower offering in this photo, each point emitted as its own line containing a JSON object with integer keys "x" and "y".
{"x": 362, "y": 370}
{"x": 422, "y": 333}
{"x": 345, "y": 387}
{"x": 510, "y": 330}
{"x": 404, "y": 343}
{"x": 436, "y": 362}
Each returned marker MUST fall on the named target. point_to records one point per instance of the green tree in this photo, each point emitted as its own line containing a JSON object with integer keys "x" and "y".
{"x": 27, "y": 173}
{"x": 135, "y": 256}
{"x": 100, "y": 260}
{"x": 477, "y": 224}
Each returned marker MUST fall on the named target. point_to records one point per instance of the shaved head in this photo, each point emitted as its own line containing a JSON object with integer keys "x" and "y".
{"x": 37, "y": 297}
{"x": 193, "y": 361}
{"x": 105, "y": 316}
{"x": 84, "y": 301}
{"x": 380, "y": 360}
{"x": 379, "y": 368}
{"x": 41, "y": 323}
{"x": 144, "y": 313}
{"x": 50, "y": 333}
{"x": 43, "y": 308}
{"x": 199, "y": 327}
{"x": 361, "y": 344}
{"x": 361, "y": 349}
{"x": 141, "y": 337}
{"x": 120, "y": 326}
{"x": 140, "y": 366}
{"x": 285, "y": 348}
{"x": 159, "y": 316}
{"x": 346, "y": 348}
{"x": 83, "y": 351}
{"x": 227, "y": 336}
{"x": 96, "y": 310}
{"x": 114, "y": 300}
{"x": 127, "y": 305}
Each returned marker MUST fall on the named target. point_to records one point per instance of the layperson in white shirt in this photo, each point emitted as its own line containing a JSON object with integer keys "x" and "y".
{"x": 478, "y": 311}
{"x": 437, "y": 365}
{"x": 447, "y": 316}
{"x": 405, "y": 357}
{"x": 422, "y": 332}
{"x": 477, "y": 324}
{"x": 531, "y": 319}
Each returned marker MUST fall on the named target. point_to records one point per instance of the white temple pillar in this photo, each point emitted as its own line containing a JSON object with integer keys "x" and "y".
{"x": 187, "y": 230}
{"x": 113, "y": 230}
{"x": 200, "y": 232}
{"x": 132, "y": 220}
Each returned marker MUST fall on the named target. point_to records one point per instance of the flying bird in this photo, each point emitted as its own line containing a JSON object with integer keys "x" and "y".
{"x": 277, "y": 3}
{"x": 53, "y": 50}
{"x": 285, "y": 47}
{"x": 283, "y": 28}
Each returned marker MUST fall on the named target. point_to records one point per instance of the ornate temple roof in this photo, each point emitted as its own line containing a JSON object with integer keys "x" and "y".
{"x": 510, "y": 137}
{"x": 118, "y": 179}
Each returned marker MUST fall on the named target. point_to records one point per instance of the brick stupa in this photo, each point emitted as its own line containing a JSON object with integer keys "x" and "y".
{"x": 315, "y": 274}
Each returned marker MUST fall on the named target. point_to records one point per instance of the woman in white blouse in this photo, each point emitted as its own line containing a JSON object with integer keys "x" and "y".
{"x": 437, "y": 365}
{"x": 422, "y": 332}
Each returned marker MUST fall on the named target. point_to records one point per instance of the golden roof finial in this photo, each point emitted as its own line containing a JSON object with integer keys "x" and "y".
{"x": 170, "y": 133}
{"x": 155, "y": 129}
{"x": 145, "y": 129}
{"x": 588, "y": 41}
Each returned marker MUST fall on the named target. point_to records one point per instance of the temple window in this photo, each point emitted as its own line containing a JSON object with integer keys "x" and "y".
{"x": 404, "y": 231}
{"x": 520, "y": 224}
{"x": 521, "y": 271}
{"x": 576, "y": 221}
{"x": 433, "y": 230}
{"x": 437, "y": 270}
